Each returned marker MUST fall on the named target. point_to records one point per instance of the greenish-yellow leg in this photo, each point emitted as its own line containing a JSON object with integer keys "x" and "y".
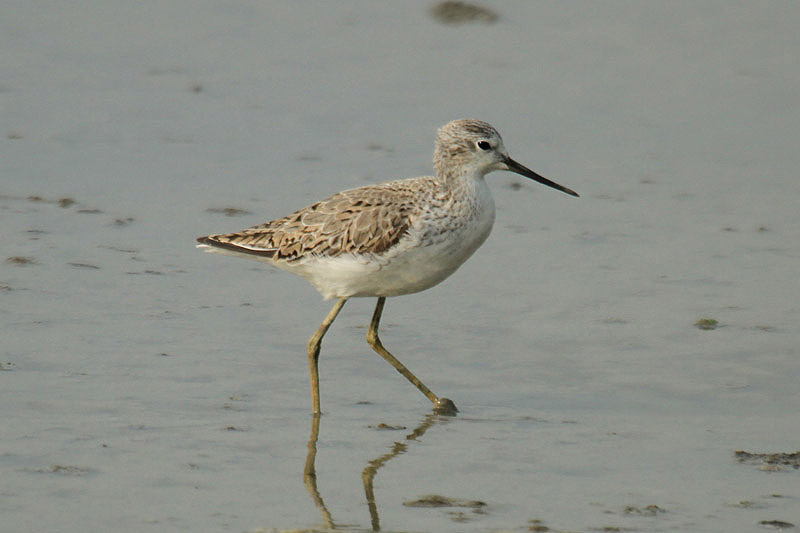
{"x": 313, "y": 352}
{"x": 442, "y": 406}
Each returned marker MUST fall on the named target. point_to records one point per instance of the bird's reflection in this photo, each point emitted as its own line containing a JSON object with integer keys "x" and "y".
{"x": 310, "y": 474}
{"x": 367, "y": 476}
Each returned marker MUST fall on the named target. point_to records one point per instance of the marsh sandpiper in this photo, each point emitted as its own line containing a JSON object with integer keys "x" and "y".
{"x": 389, "y": 239}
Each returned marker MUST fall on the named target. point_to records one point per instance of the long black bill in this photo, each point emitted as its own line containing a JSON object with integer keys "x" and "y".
{"x": 513, "y": 166}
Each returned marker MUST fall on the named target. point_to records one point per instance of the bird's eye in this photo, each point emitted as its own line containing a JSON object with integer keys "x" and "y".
{"x": 484, "y": 145}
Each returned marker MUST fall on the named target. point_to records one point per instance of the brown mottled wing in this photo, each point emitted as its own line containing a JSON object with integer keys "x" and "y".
{"x": 365, "y": 220}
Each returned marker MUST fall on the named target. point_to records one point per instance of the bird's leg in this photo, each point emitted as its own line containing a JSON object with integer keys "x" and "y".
{"x": 442, "y": 406}
{"x": 313, "y": 352}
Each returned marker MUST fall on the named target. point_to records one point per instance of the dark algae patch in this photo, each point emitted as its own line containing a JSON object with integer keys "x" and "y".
{"x": 650, "y": 510}
{"x": 436, "y": 500}
{"x": 455, "y": 13}
{"x": 228, "y": 211}
{"x": 460, "y": 514}
{"x": 65, "y": 470}
{"x": 20, "y": 260}
{"x": 776, "y": 524}
{"x": 770, "y": 461}
{"x": 537, "y": 525}
{"x": 706, "y": 324}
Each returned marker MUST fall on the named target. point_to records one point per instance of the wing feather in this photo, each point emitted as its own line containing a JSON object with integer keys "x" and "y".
{"x": 368, "y": 220}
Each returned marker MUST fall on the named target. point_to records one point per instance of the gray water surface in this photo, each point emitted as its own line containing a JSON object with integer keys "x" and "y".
{"x": 147, "y": 386}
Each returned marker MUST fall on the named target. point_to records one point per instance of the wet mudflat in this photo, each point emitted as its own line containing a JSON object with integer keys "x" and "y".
{"x": 626, "y": 361}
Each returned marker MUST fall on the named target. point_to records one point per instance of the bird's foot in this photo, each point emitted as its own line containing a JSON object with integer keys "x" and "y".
{"x": 445, "y": 407}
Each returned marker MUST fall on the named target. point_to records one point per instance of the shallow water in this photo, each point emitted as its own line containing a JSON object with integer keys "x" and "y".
{"x": 145, "y": 385}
